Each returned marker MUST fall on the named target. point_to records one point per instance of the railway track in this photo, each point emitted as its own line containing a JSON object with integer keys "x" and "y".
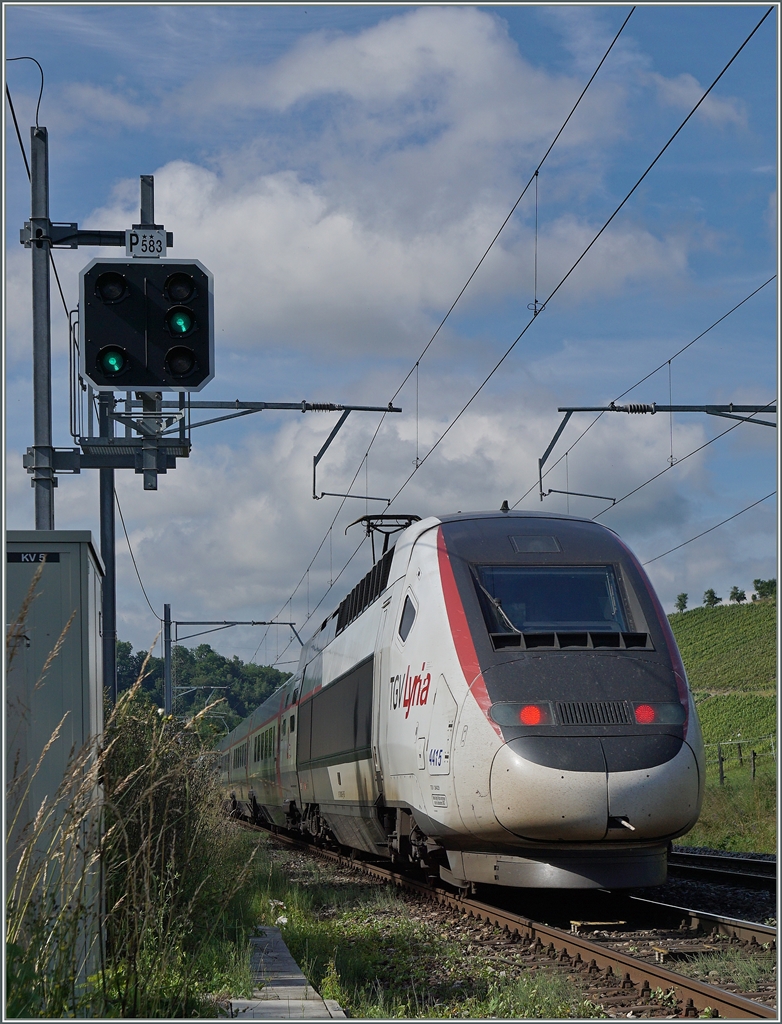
{"x": 746, "y": 871}
{"x": 594, "y": 949}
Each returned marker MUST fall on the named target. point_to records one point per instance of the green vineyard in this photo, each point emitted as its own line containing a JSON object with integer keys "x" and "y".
{"x": 730, "y": 657}
{"x": 729, "y": 648}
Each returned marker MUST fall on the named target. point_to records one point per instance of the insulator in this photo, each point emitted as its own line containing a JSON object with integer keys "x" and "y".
{"x": 638, "y": 407}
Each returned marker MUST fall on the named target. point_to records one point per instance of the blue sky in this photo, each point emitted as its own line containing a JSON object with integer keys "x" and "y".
{"x": 341, "y": 170}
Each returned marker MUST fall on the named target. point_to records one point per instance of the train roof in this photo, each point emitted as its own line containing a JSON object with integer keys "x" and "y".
{"x": 511, "y": 514}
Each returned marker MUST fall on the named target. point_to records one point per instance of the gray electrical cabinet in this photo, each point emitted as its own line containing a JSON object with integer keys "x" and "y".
{"x": 38, "y": 696}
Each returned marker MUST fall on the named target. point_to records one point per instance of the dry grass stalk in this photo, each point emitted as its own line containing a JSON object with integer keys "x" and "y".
{"x": 137, "y": 819}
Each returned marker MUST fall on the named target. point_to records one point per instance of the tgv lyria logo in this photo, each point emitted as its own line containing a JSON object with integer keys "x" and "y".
{"x": 409, "y": 690}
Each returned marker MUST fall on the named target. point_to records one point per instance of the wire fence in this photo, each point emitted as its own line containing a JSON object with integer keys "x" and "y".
{"x": 741, "y": 753}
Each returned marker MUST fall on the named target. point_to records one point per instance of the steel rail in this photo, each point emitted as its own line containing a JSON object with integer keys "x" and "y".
{"x": 694, "y": 996}
{"x": 737, "y": 870}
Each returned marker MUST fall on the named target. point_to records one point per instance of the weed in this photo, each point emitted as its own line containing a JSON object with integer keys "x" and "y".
{"x": 363, "y": 944}
{"x": 739, "y": 816}
{"x": 732, "y": 966}
{"x": 124, "y": 890}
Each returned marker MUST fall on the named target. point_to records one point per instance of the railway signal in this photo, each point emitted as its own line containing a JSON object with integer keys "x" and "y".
{"x": 146, "y": 324}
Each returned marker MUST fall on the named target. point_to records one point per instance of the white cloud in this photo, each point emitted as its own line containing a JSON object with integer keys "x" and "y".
{"x": 684, "y": 91}
{"x": 291, "y": 264}
{"x": 82, "y": 105}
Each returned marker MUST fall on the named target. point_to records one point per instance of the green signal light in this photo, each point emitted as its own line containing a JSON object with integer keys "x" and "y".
{"x": 112, "y": 361}
{"x": 180, "y": 322}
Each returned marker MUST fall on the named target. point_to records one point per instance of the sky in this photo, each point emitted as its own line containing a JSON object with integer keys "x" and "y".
{"x": 341, "y": 170}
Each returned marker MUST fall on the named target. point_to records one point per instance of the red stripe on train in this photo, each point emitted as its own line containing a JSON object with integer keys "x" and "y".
{"x": 679, "y": 672}
{"x": 460, "y": 631}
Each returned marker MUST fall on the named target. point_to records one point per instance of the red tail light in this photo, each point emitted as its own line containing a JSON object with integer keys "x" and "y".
{"x": 644, "y": 714}
{"x": 531, "y": 714}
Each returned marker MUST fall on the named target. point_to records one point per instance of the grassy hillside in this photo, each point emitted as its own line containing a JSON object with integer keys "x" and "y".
{"x": 729, "y": 648}
{"x": 730, "y": 657}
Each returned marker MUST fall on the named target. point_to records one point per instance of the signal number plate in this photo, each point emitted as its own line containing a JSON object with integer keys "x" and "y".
{"x": 150, "y": 244}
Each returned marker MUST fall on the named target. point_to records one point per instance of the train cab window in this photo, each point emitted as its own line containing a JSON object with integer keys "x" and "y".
{"x": 536, "y": 599}
{"x": 407, "y": 620}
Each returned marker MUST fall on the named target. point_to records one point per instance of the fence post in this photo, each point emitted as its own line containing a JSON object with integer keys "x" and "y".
{"x": 741, "y": 759}
{"x": 753, "y": 764}
{"x": 720, "y": 762}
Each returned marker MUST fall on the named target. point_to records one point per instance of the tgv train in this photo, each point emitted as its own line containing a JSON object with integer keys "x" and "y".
{"x": 500, "y": 700}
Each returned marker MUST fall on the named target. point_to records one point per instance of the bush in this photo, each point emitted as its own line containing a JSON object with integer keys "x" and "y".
{"x": 140, "y": 818}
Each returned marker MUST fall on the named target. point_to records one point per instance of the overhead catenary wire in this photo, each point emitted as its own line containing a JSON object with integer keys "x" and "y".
{"x": 678, "y": 462}
{"x": 416, "y": 365}
{"x": 710, "y": 529}
{"x": 479, "y": 264}
{"x": 570, "y": 270}
{"x": 576, "y": 263}
{"x": 643, "y": 379}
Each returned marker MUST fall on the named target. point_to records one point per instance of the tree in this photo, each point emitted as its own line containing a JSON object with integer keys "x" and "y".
{"x": 246, "y": 685}
{"x": 737, "y": 595}
{"x": 681, "y": 602}
{"x": 764, "y": 589}
{"x": 710, "y": 599}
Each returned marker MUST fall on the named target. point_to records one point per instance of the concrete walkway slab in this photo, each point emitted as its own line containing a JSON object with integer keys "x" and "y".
{"x": 283, "y": 992}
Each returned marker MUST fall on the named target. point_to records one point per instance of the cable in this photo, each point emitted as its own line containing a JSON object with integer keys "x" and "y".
{"x": 414, "y": 368}
{"x": 132, "y": 557}
{"x": 18, "y": 133}
{"x": 40, "y": 94}
{"x": 581, "y": 257}
{"x": 29, "y": 175}
{"x": 734, "y": 516}
{"x": 329, "y": 589}
{"x": 677, "y": 463}
{"x": 533, "y": 177}
{"x": 642, "y": 380}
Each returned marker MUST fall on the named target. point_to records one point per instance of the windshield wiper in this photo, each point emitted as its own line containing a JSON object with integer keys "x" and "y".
{"x": 498, "y": 607}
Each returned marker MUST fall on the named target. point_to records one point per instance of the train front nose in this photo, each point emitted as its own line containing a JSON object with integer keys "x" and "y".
{"x": 538, "y": 801}
{"x": 578, "y": 789}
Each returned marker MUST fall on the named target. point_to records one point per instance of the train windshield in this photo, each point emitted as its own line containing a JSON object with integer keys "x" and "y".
{"x": 537, "y": 599}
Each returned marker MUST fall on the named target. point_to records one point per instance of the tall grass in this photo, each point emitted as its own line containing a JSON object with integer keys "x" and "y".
{"x": 740, "y": 815}
{"x": 124, "y": 891}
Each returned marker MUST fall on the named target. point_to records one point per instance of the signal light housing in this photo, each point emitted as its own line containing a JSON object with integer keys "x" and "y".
{"x": 113, "y": 361}
{"x": 146, "y": 325}
{"x": 181, "y": 362}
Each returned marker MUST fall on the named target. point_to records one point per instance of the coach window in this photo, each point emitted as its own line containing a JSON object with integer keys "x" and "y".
{"x": 293, "y": 723}
{"x": 407, "y": 620}
{"x": 282, "y": 731}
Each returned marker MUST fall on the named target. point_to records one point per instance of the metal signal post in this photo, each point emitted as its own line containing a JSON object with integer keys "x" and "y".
{"x": 44, "y": 480}
{"x": 145, "y": 326}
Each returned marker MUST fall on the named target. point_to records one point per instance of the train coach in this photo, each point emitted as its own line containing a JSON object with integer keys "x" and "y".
{"x": 500, "y": 700}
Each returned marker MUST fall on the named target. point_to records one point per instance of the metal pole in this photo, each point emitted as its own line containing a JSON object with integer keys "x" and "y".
{"x": 147, "y": 183}
{"x": 108, "y": 554}
{"x": 167, "y": 657}
{"x": 44, "y": 480}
